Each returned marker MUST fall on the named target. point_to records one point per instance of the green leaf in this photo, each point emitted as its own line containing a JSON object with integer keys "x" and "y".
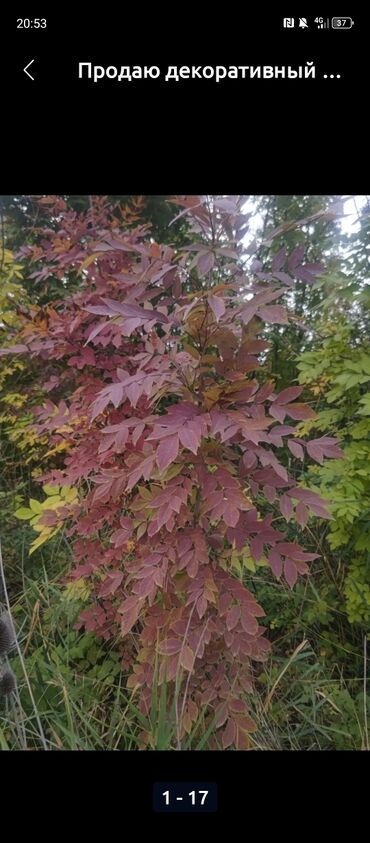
{"x": 42, "y": 538}
{"x": 52, "y": 503}
{"x": 141, "y": 530}
{"x": 365, "y": 364}
{"x": 24, "y": 514}
{"x": 173, "y": 471}
{"x": 249, "y": 564}
{"x": 39, "y": 528}
{"x": 365, "y": 410}
{"x": 51, "y": 490}
{"x": 144, "y": 493}
{"x": 35, "y": 506}
{"x": 68, "y": 494}
{"x": 334, "y": 393}
{"x": 38, "y": 542}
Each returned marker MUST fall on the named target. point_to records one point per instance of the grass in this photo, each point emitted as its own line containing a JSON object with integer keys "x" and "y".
{"x": 72, "y": 695}
{"x": 296, "y": 705}
{"x": 78, "y": 698}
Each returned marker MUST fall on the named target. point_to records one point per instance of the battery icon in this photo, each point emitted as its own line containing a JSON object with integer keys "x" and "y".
{"x": 341, "y": 23}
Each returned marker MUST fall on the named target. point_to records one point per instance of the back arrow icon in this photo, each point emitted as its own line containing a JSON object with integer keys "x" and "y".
{"x": 26, "y": 71}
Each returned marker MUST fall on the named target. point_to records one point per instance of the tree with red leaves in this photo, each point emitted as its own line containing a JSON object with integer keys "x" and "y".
{"x": 150, "y": 361}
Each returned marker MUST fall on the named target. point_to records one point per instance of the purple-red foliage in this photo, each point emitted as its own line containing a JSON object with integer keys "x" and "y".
{"x": 171, "y": 440}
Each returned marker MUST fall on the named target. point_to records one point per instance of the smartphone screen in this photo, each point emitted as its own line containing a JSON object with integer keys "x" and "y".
{"x": 184, "y": 373}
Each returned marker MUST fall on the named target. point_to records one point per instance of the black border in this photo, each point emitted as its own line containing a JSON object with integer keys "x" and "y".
{"x": 251, "y": 136}
{"x": 266, "y": 788}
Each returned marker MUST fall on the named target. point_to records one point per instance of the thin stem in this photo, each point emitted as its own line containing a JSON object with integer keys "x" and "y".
{"x": 190, "y": 674}
{"x": 2, "y": 237}
{"x": 365, "y": 693}
{"x": 177, "y": 689}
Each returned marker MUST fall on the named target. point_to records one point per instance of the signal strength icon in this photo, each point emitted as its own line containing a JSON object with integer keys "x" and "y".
{"x": 321, "y": 24}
